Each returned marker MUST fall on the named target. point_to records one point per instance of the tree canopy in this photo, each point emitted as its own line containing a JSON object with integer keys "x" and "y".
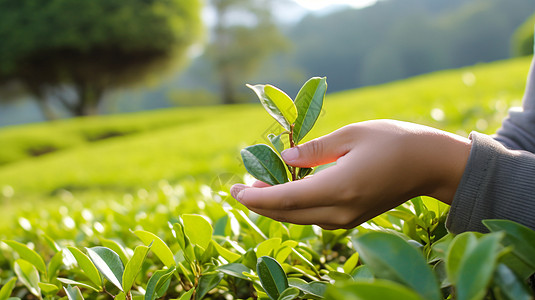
{"x": 522, "y": 41}
{"x": 75, "y": 50}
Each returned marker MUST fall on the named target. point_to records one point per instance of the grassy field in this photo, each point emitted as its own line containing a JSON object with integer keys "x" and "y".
{"x": 114, "y": 155}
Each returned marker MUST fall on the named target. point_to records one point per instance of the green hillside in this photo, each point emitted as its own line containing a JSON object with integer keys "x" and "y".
{"x": 113, "y": 155}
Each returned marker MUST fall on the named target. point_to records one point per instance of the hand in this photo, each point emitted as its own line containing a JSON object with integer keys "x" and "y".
{"x": 379, "y": 165}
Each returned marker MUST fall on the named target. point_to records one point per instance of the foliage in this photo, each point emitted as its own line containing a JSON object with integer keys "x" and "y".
{"x": 178, "y": 243}
{"x": 75, "y": 51}
{"x": 522, "y": 42}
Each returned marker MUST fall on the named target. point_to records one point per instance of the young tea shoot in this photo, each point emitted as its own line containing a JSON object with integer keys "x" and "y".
{"x": 296, "y": 118}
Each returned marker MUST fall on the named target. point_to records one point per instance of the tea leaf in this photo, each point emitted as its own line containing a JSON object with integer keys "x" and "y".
{"x": 381, "y": 252}
{"x": 279, "y": 105}
{"x": 351, "y": 263}
{"x": 28, "y": 275}
{"x": 197, "y": 229}
{"x": 235, "y": 270}
{"x": 72, "y": 282}
{"x": 54, "y": 264}
{"x": 309, "y": 102}
{"x": 264, "y": 164}
{"x": 207, "y": 282}
{"x": 7, "y": 289}
{"x": 133, "y": 267}
{"x": 73, "y": 293}
{"x": 225, "y": 253}
{"x": 276, "y": 141}
{"x": 379, "y": 289}
{"x": 158, "y": 247}
{"x": 458, "y": 250}
{"x": 158, "y": 281}
{"x": 313, "y": 290}
{"x": 48, "y": 288}
{"x": 187, "y": 295}
{"x": 28, "y": 255}
{"x": 272, "y": 276}
{"x": 108, "y": 263}
{"x": 118, "y": 248}
{"x": 508, "y": 285}
{"x": 87, "y": 266}
{"x": 289, "y": 294}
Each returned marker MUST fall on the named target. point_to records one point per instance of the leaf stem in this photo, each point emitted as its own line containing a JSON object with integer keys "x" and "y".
{"x": 292, "y": 144}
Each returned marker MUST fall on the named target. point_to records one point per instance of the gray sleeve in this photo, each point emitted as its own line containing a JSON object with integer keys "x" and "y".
{"x": 498, "y": 183}
{"x": 499, "y": 178}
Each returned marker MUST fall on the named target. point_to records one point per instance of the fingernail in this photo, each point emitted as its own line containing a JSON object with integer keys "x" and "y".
{"x": 290, "y": 154}
{"x": 236, "y": 191}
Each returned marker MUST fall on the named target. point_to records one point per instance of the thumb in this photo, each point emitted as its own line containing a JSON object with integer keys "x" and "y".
{"x": 323, "y": 150}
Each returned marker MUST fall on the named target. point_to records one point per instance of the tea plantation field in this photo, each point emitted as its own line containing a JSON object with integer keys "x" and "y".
{"x": 111, "y": 205}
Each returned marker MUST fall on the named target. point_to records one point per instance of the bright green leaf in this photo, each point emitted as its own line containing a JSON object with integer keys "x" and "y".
{"x": 272, "y": 276}
{"x": 309, "y": 102}
{"x": 48, "y": 288}
{"x": 519, "y": 236}
{"x": 108, "y": 263}
{"x": 158, "y": 280}
{"x": 72, "y": 282}
{"x": 158, "y": 247}
{"x": 54, "y": 264}
{"x": 379, "y": 289}
{"x": 197, "y": 229}
{"x": 28, "y": 255}
{"x": 73, "y": 293}
{"x": 225, "y": 253}
{"x": 206, "y": 283}
{"x": 351, "y": 263}
{"x": 476, "y": 270}
{"x": 277, "y": 104}
{"x": 460, "y": 246}
{"x": 87, "y": 266}
{"x": 187, "y": 295}
{"x": 382, "y": 252}
{"x": 289, "y": 294}
{"x": 28, "y": 275}
{"x": 7, "y": 289}
{"x": 267, "y": 247}
{"x": 133, "y": 267}
{"x": 264, "y": 164}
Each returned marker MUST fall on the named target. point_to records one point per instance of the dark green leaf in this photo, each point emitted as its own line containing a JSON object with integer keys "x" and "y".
{"x": 309, "y": 102}
{"x": 158, "y": 280}
{"x": 207, "y": 282}
{"x": 264, "y": 164}
{"x": 28, "y": 275}
{"x": 289, "y": 294}
{"x": 509, "y": 286}
{"x": 312, "y": 290}
{"x": 272, "y": 276}
{"x": 87, "y": 266}
{"x": 379, "y": 289}
{"x": 7, "y": 289}
{"x": 276, "y": 142}
{"x": 118, "y": 248}
{"x": 235, "y": 270}
{"x": 73, "y": 293}
{"x": 382, "y": 252}
{"x": 519, "y": 236}
{"x": 459, "y": 247}
{"x": 304, "y": 172}
{"x": 477, "y": 268}
{"x": 28, "y": 255}
{"x": 279, "y": 105}
{"x": 158, "y": 247}
{"x": 108, "y": 263}
{"x": 133, "y": 267}
{"x": 362, "y": 273}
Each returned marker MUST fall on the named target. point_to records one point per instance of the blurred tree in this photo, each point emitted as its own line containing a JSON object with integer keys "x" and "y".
{"x": 522, "y": 40}
{"x": 244, "y": 35}
{"x": 76, "y": 50}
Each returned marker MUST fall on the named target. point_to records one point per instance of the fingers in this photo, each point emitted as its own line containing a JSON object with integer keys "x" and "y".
{"x": 320, "y": 151}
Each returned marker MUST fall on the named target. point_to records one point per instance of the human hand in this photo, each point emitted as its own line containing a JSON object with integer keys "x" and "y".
{"x": 379, "y": 165}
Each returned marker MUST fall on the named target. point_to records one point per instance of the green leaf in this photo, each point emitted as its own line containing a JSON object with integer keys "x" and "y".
{"x": 158, "y": 247}
{"x": 379, "y": 289}
{"x": 304, "y": 172}
{"x": 87, "y": 266}
{"x": 183, "y": 242}
{"x": 476, "y": 270}
{"x": 264, "y": 164}
{"x": 351, "y": 263}
{"x": 108, "y": 263}
{"x": 7, "y": 289}
{"x": 272, "y": 276}
{"x": 28, "y": 275}
{"x": 279, "y": 105}
{"x": 73, "y": 293}
{"x": 158, "y": 280}
{"x": 268, "y": 247}
{"x": 197, "y": 229}
{"x": 133, "y": 267}
{"x": 118, "y": 248}
{"x": 461, "y": 245}
{"x": 28, "y": 255}
{"x": 48, "y": 288}
{"x": 225, "y": 253}
{"x": 289, "y": 294}
{"x": 519, "y": 236}
{"x": 187, "y": 295}
{"x": 206, "y": 283}
{"x": 390, "y": 257}
{"x": 508, "y": 285}
{"x": 312, "y": 290}
{"x": 309, "y": 102}
{"x": 235, "y": 270}
{"x": 72, "y": 282}
{"x": 54, "y": 264}
{"x": 362, "y": 273}
{"x": 276, "y": 142}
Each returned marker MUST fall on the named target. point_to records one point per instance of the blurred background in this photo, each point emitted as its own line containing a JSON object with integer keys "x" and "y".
{"x": 103, "y": 99}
